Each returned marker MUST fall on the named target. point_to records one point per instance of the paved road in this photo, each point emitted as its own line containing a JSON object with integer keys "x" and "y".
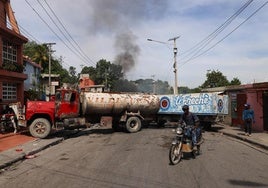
{"x": 102, "y": 158}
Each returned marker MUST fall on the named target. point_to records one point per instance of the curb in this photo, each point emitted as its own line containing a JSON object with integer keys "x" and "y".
{"x": 30, "y": 154}
{"x": 24, "y": 155}
{"x": 246, "y": 140}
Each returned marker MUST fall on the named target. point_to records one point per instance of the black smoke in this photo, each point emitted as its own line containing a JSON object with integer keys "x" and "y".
{"x": 114, "y": 17}
{"x": 127, "y": 50}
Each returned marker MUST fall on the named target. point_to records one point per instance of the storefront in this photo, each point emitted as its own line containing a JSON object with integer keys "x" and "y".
{"x": 254, "y": 94}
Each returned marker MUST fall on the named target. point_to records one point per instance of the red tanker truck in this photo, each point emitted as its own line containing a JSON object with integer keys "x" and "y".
{"x": 73, "y": 109}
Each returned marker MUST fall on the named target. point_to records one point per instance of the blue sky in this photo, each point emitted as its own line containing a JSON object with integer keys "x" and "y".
{"x": 98, "y": 27}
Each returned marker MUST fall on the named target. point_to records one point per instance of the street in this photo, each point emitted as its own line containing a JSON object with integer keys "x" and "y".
{"x": 103, "y": 158}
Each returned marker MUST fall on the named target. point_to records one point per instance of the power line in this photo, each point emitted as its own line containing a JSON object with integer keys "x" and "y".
{"x": 23, "y": 30}
{"x": 53, "y": 12}
{"x": 81, "y": 55}
{"x": 201, "y": 45}
{"x": 54, "y": 31}
{"x": 227, "y": 34}
{"x": 27, "y": 34}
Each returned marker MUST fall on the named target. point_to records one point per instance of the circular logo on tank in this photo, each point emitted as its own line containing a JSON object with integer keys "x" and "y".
{"x": 220, "y": 105}
{"x": 164, "y": 103}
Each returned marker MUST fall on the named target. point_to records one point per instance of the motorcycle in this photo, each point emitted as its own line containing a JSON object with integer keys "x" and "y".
{"x": 7, "y": 123}
{"x": 182, "y": 143}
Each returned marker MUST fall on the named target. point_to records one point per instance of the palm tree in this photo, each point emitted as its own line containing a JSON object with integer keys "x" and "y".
{"x": 37, "y": 52}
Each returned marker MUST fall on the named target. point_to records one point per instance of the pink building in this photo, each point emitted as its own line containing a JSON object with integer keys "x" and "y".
{"x": 257, "y": 96}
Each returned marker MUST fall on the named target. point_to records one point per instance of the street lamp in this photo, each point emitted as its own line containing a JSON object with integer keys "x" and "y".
{"x": 175, "y": 51}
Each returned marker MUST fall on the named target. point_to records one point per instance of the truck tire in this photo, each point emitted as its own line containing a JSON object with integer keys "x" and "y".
{"x": 133, "y": 124}
{"x": 40, "y": 128}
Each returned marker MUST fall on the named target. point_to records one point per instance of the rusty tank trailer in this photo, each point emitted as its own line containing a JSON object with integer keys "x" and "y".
{"x": 127, "y": 109}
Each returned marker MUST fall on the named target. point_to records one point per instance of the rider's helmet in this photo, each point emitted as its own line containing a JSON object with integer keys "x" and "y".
{"x": 185, "y": 108}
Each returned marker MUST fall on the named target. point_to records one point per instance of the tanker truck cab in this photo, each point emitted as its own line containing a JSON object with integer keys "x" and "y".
{"x": 42, "y": 116}
{"x": 67, "y": 104}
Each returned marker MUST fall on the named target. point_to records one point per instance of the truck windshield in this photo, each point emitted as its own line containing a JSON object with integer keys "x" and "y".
{"x": 58, "y": 96}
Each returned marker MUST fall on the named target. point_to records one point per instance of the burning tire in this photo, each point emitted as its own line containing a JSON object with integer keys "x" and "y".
{"x": 40, "y": 128}
{"x": 133, "y": 124}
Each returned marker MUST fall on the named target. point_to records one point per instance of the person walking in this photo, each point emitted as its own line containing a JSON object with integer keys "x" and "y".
{"x": 248, "y": 118}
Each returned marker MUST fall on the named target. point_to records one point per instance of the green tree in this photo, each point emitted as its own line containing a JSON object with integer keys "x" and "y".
{"x": 196, "y": 90}
{"x": 37, "y": 52}
{"x": 91, "y": 71}
{"x": 215, "y": 79}
{"x": 184, "y": 89}
{"x": 72, "y": 73}
{"x": 108, "y": 73}
{"x": 123, "y": 85}
{"x": 105, "y": 73}
{"x": 162, "y": 87}
{"x": 235, "y": 81}
{"x": 152, "y": 86}
{"x": 145, "y": 85}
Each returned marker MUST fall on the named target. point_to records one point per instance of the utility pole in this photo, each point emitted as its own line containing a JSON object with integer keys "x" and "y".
{"x": 154, "y": 85}
{"x": 175, "y": 50}
{"x": 49, "y": 65}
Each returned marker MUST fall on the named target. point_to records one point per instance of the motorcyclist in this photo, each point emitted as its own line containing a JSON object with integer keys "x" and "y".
{"x": 191, "y": 119}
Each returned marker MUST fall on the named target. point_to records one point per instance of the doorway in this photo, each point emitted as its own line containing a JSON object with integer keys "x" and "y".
{"x": 265, "y": 110}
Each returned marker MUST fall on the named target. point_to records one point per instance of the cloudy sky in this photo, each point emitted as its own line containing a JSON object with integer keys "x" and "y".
{"x": 225, "y": 35}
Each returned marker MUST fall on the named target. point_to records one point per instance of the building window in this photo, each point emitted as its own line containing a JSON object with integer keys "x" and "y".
{"x": 9, "y": 91}
{"x": 9, "y": 52}
{"x": 10, "y": 58}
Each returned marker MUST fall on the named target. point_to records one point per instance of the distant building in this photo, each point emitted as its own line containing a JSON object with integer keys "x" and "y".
{"x": 33, "y": 70}
{"x": 86, "y": 84}
{"x": 11, "y": 61}
{"x": 49, "y": 89}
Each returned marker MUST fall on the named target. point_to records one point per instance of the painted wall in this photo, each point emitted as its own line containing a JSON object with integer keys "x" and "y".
{"x": 199, "y": 103}
{"x": 33, "y": 73}
{"x": 254, "y": 98}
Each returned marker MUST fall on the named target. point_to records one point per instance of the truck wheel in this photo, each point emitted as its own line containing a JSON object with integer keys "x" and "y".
{"x": 40, "y": 128}
{"x": 133, "y": 124}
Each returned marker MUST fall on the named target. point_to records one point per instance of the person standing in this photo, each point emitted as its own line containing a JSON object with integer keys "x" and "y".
{"x": 248, "y": 118}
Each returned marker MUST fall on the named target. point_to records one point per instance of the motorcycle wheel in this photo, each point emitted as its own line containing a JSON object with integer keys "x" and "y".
{"x": 175, "y": 154}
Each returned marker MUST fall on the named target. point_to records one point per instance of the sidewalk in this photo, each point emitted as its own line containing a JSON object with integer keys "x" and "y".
{"x": 24, "y": 150}
{"x": 28, "y": 147}
{"x": 259, "y": 139}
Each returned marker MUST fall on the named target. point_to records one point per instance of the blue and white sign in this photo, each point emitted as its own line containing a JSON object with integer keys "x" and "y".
{"x": 199, "y": 103}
